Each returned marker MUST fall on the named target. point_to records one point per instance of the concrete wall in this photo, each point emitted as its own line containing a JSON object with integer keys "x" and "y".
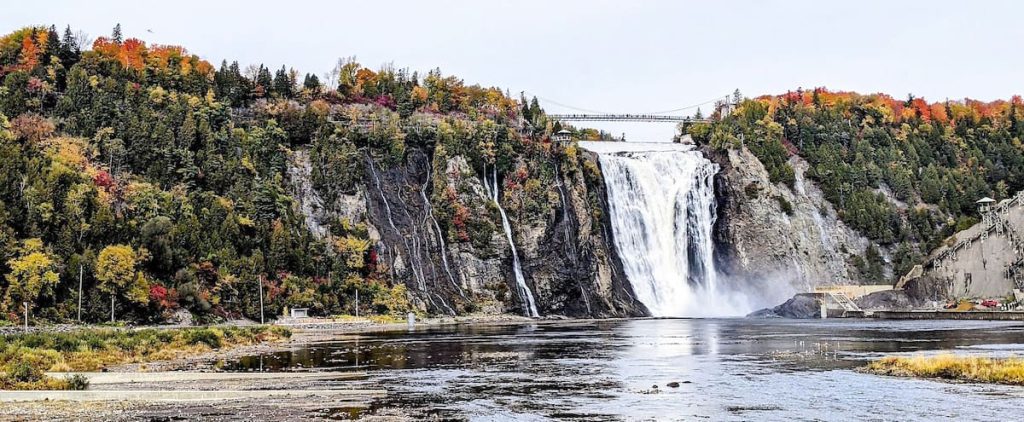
{"x": 978, "y": 268}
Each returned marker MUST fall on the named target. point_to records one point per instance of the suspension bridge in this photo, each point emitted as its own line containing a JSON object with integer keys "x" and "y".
{"x": 723, "y": 105}
{"x": 655, "y": 118}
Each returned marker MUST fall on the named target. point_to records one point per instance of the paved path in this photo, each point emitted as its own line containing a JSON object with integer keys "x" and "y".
{"x": 180, "y": 396}
{"x": 98, "y": 378}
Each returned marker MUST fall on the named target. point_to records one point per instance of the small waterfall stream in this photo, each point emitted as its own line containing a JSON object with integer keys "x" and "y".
{"x": 662, "y": 209}
{"x": 529, "y": 307}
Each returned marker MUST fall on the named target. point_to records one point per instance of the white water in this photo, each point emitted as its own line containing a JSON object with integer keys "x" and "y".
{"x": 529, "y": 307}
{"x": 662, "y": 209}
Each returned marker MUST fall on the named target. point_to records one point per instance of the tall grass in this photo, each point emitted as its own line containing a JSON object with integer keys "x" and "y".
{"x": 25, "y": 357}
{"x": 953, "y": 367}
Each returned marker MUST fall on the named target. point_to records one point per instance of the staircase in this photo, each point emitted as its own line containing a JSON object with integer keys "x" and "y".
{"x": 844, "y": 301}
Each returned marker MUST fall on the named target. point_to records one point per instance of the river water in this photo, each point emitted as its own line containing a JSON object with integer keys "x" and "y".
{"x": 727, "y": 369}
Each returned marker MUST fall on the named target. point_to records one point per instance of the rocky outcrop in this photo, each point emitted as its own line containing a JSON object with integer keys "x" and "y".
{"x": 771, "y": 233}
{"x": 800, "y": 306}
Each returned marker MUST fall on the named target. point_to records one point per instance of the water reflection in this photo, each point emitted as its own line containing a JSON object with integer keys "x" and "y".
{"x": 717, "y": 368}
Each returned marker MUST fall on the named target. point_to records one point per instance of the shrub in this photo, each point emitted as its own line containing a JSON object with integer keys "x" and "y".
{"x": 209, "y": 336}
{"x": 785, "y": 205}
{"x": 24, "y": 372}
{"x": 76, "y": 382}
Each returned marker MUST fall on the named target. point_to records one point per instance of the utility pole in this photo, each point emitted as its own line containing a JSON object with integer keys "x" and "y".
{"x": 260, "y": 278}
{"x": 25, "y": 304}
{"x": 79, "y": 293}
{"x": 357, "y": 303}
{"x": 111, "y": 308}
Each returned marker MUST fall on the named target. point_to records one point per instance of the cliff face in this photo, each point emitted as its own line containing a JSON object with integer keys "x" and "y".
{"x": 570, "y": 256}
{"x": 567, "y": 257}
{"x": 771, "y": 233}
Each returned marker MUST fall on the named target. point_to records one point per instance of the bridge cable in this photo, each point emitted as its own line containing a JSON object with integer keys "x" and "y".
{"x": 689, "y": 107}
{"x": 548, "y": 100}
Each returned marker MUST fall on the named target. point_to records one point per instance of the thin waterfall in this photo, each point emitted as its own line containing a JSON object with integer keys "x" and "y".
{"x": 421, "y": 282}
{"x": 662, "y": 210}
{"x": 529, "y": 307}
{"x": 440, "y": 235}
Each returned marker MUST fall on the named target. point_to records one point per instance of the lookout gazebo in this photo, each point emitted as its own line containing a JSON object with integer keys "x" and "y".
{"x": 984, "y": 206}
{"x": 563, "y": 137}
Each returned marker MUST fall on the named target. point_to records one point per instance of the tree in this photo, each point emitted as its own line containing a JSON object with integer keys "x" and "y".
{"x": 117, "y": 272}
{"x": 34, "y": 273}
{"x": 311, "y": 83}
{"x": 116, "y": 34}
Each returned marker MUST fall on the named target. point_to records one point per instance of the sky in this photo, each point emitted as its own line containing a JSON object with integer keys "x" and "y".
{"x": 611, "y": 56}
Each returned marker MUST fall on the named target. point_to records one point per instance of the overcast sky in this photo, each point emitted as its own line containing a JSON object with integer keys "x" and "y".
{"x": 635, "y": 56}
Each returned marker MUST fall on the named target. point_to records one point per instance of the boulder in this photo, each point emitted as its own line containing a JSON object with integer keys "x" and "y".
{"x": 801, "y": 306}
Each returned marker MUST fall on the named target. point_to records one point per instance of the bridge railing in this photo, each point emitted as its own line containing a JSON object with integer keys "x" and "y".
{"x": 626, "y": 117}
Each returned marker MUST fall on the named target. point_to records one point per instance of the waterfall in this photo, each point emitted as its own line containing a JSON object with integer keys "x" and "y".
{"x": 440, "y": 234}
{"x": 662, "y": 210}
{"x": 529, "y": 307}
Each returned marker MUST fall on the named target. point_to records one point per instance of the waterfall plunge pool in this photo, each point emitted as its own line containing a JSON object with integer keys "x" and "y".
{"x": 727, "y": 369}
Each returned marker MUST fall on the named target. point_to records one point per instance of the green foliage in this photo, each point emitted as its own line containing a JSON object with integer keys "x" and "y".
{"x": 784, "y": 205}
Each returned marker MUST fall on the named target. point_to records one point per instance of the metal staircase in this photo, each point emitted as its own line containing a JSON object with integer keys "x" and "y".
{"x": 844, "y": 301}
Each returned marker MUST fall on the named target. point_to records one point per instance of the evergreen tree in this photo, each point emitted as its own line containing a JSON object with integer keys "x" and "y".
{"x": 115, "y": 35}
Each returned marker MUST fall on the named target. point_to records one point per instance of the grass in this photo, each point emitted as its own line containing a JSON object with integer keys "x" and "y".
{"x": 953, "y": 367}
{"x": 25, "y": 357}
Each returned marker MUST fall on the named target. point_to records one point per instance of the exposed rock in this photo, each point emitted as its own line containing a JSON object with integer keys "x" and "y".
{"x": 566, "y": 257}
{"x": 770, "y": 232}
{"x": 801, "y": 306}
{"x": 181, "y": 317}
{"x": 570, "y": 257}
{"x": 886, "y": 300}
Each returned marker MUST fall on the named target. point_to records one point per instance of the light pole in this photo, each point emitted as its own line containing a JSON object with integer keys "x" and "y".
{"x": 79, "y": 293}
{"x": 260, "y": 279}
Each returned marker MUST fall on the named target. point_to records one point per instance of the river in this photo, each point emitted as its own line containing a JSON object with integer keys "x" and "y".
{"x": 727, "y": 369}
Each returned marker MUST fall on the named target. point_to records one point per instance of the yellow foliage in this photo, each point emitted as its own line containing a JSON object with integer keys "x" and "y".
{"x": 395, "y": 299}
{"x": 353, "y": 249}
{"x": 948, "y": 366}
{"x": 116, "y": 270}
{"x": 33, "y": 273}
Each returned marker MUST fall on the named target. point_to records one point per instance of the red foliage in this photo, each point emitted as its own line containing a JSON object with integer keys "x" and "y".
{"x": 103, "y": 180}
{"x": 385, "y": 101}
{"x": 164, "y": 298}
{"x": 459, "y": 220}
{"x": 157, "y": 293}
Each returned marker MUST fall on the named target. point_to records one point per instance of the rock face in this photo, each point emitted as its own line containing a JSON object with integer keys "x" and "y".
{"x": 771, "y": 234}
{"x": 567, "y": 257}
{"x": 570, "y": 257}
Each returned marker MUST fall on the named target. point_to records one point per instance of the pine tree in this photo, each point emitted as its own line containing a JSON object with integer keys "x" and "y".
{"x": 116, "y": 34}
{"x": 283, "y": 85}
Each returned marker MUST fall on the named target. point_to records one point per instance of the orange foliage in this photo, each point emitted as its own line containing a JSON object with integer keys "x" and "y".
{"x": 899, "y": 110}
{"x": 131, "y": 54}
{"x": 29, "y": 54}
